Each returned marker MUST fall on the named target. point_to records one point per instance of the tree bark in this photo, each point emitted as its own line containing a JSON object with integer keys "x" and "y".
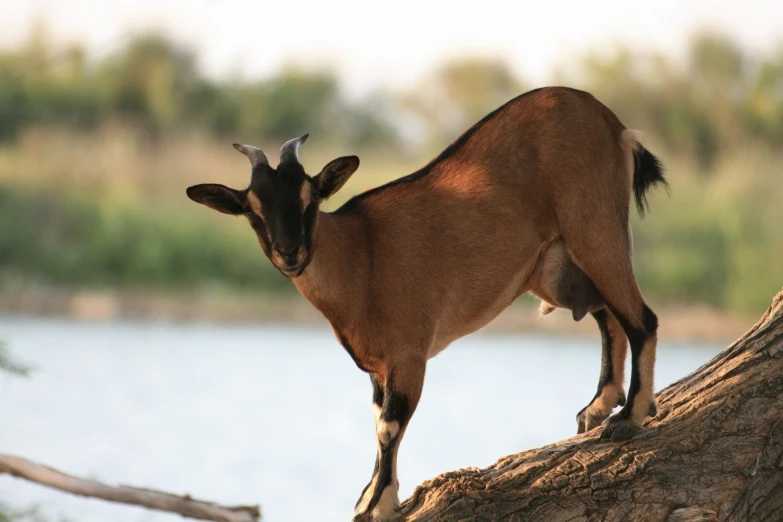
{"x": 182, "y": 505}
{"x": 713, "y": 453}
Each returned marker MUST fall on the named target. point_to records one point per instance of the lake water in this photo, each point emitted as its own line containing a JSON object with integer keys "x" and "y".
{"x": 273, "y": 415}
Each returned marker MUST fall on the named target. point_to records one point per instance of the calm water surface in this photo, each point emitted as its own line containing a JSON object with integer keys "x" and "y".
{"x": 273, "y": 415}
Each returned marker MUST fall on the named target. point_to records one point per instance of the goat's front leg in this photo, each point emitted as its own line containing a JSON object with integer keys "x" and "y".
{"x": 395, "y": 397}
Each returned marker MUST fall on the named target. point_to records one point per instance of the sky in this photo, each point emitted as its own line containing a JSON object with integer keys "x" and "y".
{"x": 373, "y": 44}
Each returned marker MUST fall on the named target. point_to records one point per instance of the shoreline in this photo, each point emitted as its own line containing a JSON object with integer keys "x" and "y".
{"x": 680, "y": 323}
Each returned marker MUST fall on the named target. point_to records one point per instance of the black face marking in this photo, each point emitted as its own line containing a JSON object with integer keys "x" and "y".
{"x": 355, "y": 203}
{"x": 309, "y": 219}
{"x": 636, "y": 337}
{"x": 282, "y": 207}
{"x": 286, "y": 225}
{"x": 281, "y": 204}
{"x": 258, "y": 226}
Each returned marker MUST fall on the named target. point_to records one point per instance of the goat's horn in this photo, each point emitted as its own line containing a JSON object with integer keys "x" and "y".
{"x": 256, "y": 155}
{"x": 290, "y": 149}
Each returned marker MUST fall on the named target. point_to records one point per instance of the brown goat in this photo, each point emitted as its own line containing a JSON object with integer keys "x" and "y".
{"x": 533, "y": 198}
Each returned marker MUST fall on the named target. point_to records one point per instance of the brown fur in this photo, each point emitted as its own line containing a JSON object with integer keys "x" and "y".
{"x": 560, "y": 283}
{"x": 534, "y": 198}
{"x": 420, "y": 264}
{"x": 610, "y": 393}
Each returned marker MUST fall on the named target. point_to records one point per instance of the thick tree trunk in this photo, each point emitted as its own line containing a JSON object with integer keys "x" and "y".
{"x": 714, "y": 453}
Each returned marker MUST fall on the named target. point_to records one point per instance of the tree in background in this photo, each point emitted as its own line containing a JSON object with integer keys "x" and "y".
{"x": 149, "y": 82}
{"x": 125, "y": 132}
{"x": 458, "y": 94}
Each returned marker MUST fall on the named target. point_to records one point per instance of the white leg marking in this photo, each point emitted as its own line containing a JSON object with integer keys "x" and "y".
{"x": 387, "y": 431}
{"x": 646, "y": 395}
{"x": 603, "y": 405}
{"x": 388, "y": 504}
{"x": 608, "y": 399}
{"x": 362, "y": 506}
{"x": 619, "y": 351}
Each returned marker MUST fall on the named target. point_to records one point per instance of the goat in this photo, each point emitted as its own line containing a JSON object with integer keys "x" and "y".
{"x": 533, "y": 198}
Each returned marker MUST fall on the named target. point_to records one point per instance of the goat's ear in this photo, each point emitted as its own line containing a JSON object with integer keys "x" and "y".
{"x": 218, "y": 197}
{"x": 334, "y": 175}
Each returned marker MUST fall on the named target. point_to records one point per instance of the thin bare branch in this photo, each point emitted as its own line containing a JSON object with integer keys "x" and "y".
{"x": 180, "y": 504}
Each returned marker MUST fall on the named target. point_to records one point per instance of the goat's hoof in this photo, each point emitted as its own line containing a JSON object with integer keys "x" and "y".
{"x": 589, "y": 418}
{"x": 593, "y": 415}
{"x": 618, "y": 428}
{"x": 384, "y": 509}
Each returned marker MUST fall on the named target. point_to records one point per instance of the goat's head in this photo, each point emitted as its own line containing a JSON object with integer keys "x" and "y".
{"x": 281, "y": 204}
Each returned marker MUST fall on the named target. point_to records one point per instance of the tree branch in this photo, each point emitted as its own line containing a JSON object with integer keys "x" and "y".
{"x": 713, "y": 453}
{"x": 183, "y": 505}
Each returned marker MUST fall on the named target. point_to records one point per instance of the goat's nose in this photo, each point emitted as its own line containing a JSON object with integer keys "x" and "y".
{"x": 287, "y": 250}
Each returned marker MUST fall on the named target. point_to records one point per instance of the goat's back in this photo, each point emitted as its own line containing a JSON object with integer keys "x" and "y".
{"x": 456, "y": 242}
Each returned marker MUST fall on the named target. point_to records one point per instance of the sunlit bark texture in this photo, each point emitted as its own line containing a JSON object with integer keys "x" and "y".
{"x": 714, "y": 453}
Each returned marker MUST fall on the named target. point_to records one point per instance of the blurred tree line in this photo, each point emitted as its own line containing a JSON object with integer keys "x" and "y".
{"x": 721, "y": 99}
{"x": 155, "y": 85}
{"x": 716, "y": 119}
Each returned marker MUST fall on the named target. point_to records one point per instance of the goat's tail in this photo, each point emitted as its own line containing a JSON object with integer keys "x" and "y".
{"x": 647, "y": 174}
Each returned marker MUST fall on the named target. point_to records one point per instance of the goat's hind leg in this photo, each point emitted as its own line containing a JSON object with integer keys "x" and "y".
{"x": 642, "y": 333}
{"x": 395, "y": 397}
{"x": 599, "y": 244}
{"x": 611, "y": 271}
{"x": 610, "y": 383}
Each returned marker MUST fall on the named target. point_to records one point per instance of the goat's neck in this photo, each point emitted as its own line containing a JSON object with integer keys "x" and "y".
{"x": 336, "y": 279}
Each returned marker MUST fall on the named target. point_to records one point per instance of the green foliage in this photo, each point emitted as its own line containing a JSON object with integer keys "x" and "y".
{"x": 459, "y": 94}
{"x": 67, "y": 240}
{"x": 722, "y": 99}
{"x": 149, "y": 82}
{"x": 103, "y": 206}
{"x": 155, "y": 85}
